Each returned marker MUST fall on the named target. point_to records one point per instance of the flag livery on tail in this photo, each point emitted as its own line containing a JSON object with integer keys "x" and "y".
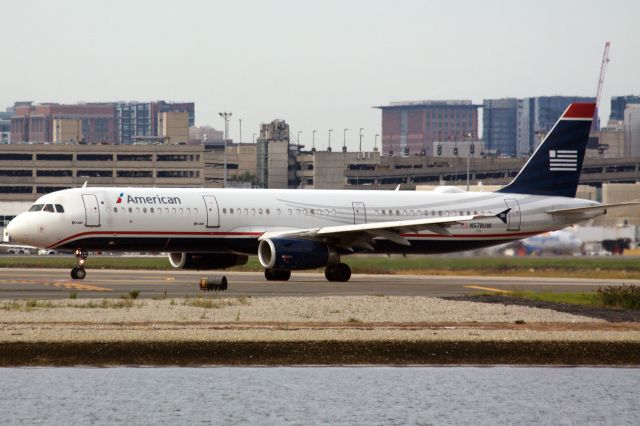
{"x": 554, "y": 169}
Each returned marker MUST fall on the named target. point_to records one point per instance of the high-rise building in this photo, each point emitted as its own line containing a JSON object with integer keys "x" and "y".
{"x": 410, "y": 128}
{"x": 140, "y": 119}
{"x": 632, "y": 130}
{"x": 499, "y": 126}
{"x": 5, "y": 126}
{"x": 535, "y": 118}
{"x": 619, "y": 104}
{"x": 272, "y": 155}
{"x": 35, "y": 123}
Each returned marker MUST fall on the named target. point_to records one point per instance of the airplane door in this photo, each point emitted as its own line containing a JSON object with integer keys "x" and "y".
{"x": 359, "y": 213}
{"x": 213, "y": 213}
{"x": 91, "y": 210}
{"x": 514, "y": 217}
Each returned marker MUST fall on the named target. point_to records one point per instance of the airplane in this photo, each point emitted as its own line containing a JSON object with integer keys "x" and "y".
{"x": 556, "y": 242}
{"x": 290, "y": 230}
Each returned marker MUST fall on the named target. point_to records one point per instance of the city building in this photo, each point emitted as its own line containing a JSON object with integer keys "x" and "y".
{"x": 174, "y": 127}
{"x": 203, "y": 134}
{"x": 241, "y": 164}
{"x": 93, "y": 123}
{"x": 410, "y": 128}
{"x": 140, "y": 120}
{"x": 500, "y": 126}
{"x": 632, "y": 130}
{"x": 30, "y": 170}
{"x": 272, "y": 155}
{"x": 535, "y": 118}
{"x": 619, "y": 104}
{"x": 5, "y": 126}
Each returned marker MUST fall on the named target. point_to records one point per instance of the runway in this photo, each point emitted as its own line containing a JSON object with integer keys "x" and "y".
{"x": 56, "y": 284}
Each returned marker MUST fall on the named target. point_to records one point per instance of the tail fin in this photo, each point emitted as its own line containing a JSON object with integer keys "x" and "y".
{"x": 554, "y": 169}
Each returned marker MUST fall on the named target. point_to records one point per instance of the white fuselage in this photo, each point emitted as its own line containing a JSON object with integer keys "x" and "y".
{"x": 232, "y": 220}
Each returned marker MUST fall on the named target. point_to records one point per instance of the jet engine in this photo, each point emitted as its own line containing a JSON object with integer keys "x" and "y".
{"x": 292, "y": 254}
{"x": 204, "y": 261}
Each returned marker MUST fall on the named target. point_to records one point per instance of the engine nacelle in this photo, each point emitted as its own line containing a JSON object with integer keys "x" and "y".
{"x": 292, "y": 254}
{"x": 204, "y": 261}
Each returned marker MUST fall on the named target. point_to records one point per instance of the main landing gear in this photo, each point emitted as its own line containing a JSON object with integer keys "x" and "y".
{"x": 340, "y": 272}
{"x": 78, "y": 272}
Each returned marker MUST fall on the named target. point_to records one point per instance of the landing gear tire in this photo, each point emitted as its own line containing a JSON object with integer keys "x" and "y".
{"x": 277, "y": 274}
{"x": 338, "y": 273}
{"x": 78, "y": 273}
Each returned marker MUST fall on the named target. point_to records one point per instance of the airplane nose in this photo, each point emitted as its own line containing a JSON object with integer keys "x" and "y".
{"x": 16, "y": 230}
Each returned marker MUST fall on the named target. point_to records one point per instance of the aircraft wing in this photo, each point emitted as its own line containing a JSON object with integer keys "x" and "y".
{"x": 362, "y": 235}
{"x": 577, "y": 210}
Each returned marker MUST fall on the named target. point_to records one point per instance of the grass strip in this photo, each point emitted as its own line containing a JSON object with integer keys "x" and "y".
{"x": 577, "y": 267}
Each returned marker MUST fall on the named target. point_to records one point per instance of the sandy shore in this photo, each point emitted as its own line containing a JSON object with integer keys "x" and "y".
{"x": 320, "y": 330}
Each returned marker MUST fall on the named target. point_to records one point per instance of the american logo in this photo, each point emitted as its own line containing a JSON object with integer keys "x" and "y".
{"x": 563, "y": 160}
{"x": 119, "y": 200}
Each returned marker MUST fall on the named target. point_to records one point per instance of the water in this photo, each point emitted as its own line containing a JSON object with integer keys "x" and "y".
{"x": 320, "y": 395}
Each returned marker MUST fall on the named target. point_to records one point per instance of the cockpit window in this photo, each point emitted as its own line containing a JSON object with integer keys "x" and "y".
{"x": 48, "y": 208}
{"x": 36, "y": 207}
{"x": 59, "y": 208}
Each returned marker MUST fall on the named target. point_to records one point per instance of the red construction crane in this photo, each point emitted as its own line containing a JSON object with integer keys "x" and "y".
{"x": 603, "y": 69}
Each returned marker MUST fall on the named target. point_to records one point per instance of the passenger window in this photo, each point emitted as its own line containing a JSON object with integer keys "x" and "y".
{"x": 289, "y": 211}
{"x": 130, "y": 209}
{"x": 195, "y": 211}
{"x": 278, "y": 211}
{"x": 181, "y": 210}
{"x": 137, "y": 209}
{"x": 115, "y": 210}
{"x": 121, "y": 209}
{"x": 253, "y": 212}
{"x": 230, "y": 211}
{"x": 151, "y": 210}
{"x": 246, "y": 212}
{"x": 144, "y": 210}
{"x": 166, "y": 210}
{"x": 266, "y": 211}
{"x": 259, "y": 211}
{"x": 224, "y": 211}
{"x": 188, "y": 210}
{"x": 59, "y": 208}
{"x": 173, "y": 210}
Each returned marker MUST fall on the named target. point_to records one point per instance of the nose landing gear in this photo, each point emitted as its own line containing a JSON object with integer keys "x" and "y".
{"x": 78, "y": 272}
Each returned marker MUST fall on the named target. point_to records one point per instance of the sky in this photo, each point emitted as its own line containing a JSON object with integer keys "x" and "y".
{"x": 318, "y": 65}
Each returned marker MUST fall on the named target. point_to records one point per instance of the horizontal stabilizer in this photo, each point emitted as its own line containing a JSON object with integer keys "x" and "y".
{"x": 578, "y": 210}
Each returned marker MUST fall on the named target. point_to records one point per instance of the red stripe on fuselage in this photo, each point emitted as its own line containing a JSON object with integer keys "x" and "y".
{"x": 119, "y": 233}
{"x": 257, "y": 234}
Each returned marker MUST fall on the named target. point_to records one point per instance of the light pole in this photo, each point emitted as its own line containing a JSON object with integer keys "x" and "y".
{"x": 375, "y": 143}
{"x": 301, "y": 161}
{"x": 471, "y": 151}
{"x": 344, "y": 140}
{"x": 360, "y": 148}
{"x": 226, "y": 116}
{"x": 329, "y": 146}
{"x": 240, "y": 135}
{"x": 254, "y": 138}
{"x": 313, "y": 141}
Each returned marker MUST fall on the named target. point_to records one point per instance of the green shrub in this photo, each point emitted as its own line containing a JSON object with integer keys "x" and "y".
{"x": 624, "y": 296}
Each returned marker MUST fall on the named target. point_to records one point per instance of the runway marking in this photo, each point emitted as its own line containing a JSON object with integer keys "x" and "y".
{"x": 495, "y": 290}
{"x": 60, "y": 284}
